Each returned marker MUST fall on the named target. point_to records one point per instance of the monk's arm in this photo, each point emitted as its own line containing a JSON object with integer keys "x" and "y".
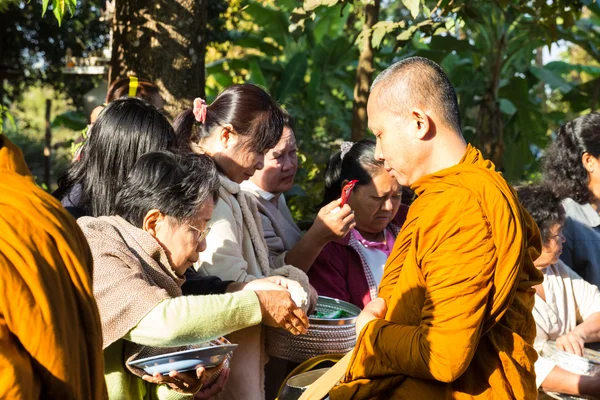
{"x": 457, "y": 261}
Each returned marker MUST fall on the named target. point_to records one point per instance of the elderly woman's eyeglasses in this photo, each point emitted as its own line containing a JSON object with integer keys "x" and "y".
{"x": 202, "y": 233}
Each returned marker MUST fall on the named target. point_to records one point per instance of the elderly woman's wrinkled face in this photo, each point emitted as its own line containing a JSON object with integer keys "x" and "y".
{"x": 182, "y": 241}
{"x": 281, "y": 163}
{"x": 375, "y": 204}
{"x": 552, "y": 248}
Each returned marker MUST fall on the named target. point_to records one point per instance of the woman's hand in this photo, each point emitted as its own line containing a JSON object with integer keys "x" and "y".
{"x": 572, "y": 343}
{"x": 217, "y": 387}
{"x": 280, "y": 311}
{"x": 376, "y": 309}
{"x": 183, "y": 382}
{"x": 332, "y": 224}
{"x": 265, "y": 284}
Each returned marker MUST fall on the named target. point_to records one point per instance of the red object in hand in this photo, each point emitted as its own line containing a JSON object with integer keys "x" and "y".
{"x": 346, "y": 191}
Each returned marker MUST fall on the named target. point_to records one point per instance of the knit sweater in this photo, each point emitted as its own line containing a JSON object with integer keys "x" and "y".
{"x": 140, "y": 304}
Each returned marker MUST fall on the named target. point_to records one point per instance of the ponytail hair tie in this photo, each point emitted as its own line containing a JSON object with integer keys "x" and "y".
{"x": 200, "y": 109}
{"x": 345, "y": 148}
{"x": 133, "y": 86}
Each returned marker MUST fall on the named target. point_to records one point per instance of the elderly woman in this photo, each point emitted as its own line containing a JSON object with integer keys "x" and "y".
{"x": 567, "y": 308}
{"x": 284, "y": 239}
{"x": 351, "y": 268}
{"x": 236, "y": 131}
{"x": 140, "y": 256}
{"x": 572, "y": 169}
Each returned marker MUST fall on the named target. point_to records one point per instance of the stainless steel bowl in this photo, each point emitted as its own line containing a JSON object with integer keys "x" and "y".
{"x": 296, "y": 385}
{"x": 327, "y": 304}
{"x": 335, "y": 336}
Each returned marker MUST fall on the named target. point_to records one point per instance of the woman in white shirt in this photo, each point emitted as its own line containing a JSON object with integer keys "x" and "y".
{"x": 567, "y": 308}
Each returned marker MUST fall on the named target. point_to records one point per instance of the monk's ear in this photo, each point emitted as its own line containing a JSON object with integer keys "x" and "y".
{"x": 154, "y": 221}
{"x": 420, "y": 122}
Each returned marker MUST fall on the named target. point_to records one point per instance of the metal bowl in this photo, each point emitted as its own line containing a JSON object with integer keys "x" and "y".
{"x": 296, "y": 385}
{"x": 325, "y": 336}
{"x": 327, "y": 304}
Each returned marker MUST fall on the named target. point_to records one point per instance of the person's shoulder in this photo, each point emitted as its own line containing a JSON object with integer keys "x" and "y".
{"x": 563, "y": 270}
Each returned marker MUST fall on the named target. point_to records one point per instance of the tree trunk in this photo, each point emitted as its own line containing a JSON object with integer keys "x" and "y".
{"x": 165, "y": 43}
{"x": 490, "y": 126}
{"x": 364, "y": 73}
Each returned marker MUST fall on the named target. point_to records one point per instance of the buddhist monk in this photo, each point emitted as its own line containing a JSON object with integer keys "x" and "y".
{"x": 50, "y": 333}
{"x": 453, "y": 318}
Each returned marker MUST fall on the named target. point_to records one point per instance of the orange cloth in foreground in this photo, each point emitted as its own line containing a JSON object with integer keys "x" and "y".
{"x": 458, "y": 290}
{"x": 50, "y": 335}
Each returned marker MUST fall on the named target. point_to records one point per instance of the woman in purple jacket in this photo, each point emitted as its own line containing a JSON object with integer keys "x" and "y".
{"x": 351, "y": 268}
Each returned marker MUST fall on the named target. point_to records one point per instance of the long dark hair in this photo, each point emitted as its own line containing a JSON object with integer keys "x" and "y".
{"x": 124, "y": 131}
{"x": 175, "y": 184}
{"x": 563, "y": 168}
{"x": 247, "y": 108}
{"x": 358, "y": 163}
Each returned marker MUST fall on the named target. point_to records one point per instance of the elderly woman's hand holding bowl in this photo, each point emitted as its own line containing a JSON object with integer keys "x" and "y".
{"x": 140, "y": 254}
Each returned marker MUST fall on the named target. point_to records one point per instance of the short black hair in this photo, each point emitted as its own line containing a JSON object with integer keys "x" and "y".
{"x": 544, "y": 206}
{"x": 358, "y": 163}
{"x": 175, "y": 184}
{"x": 419, "y": 82}
{"x": 563, "y": 168}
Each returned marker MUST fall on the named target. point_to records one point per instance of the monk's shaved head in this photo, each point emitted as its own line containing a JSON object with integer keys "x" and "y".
{"x": 418, "y": 82}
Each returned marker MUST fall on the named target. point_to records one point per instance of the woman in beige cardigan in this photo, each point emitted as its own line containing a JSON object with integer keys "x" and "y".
{"x": 236, "y": 130}
{"x": 140, "y": 256}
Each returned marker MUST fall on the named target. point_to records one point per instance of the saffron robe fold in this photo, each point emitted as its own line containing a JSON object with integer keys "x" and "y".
{"x": 50, "y": 334}
{"x": 458, "y": 287}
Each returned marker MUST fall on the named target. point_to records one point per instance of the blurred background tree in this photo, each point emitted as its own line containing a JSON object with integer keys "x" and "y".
{"x": 520, "y": 68}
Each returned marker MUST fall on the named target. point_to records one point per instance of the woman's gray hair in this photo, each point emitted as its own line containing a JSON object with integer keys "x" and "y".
{"x": 176, "y": 184}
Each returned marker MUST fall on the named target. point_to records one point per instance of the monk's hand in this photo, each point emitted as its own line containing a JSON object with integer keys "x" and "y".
{"x": 280, "y": 311}
{"x": 572, "y": 342}
{"x": 376, "y": 309}
{"x": 331, "y": 224}
{"x": 215, "y": 388}
{"x": 182, "y": 382}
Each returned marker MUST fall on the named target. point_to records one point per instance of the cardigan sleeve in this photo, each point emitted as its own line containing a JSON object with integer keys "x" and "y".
{"x": 223, "y": 254}
{"x": 189, "y": 320}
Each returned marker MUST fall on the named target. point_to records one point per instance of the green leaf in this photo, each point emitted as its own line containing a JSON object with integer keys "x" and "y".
{"x": 44, "y": 6}
{"x": 381, "y": 28}
{"x": 58, "y": 8}
{"x": 71, "y": 120}
{"x": 413, "y": 6}
{"x": 507, "y": 107}
{"x": 293, "y": 76}
{"x": 256, "y": 75}
{"x": 310, "y": 5}
{"x": 554, "y": 80}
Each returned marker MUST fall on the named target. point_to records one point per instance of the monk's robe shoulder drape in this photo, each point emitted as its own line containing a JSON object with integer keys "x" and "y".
{"x": 50, "y": 335}
{"x": 458, "y": 286}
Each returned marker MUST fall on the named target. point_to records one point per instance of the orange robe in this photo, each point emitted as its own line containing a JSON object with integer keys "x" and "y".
{"x": 458, "y": 286}
{"x": 50, "y": 334}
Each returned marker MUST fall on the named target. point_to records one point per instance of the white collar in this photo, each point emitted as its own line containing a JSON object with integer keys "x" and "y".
{"x": 252, "y": 187}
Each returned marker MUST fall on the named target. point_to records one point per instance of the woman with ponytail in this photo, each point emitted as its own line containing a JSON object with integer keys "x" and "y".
{"x": 236, "y": 131}
{"x": 572, "y": 169}
{"x": 350, "y": 268}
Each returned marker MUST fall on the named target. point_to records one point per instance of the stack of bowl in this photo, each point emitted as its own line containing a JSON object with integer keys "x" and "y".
{"x": 325, "y": 335}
